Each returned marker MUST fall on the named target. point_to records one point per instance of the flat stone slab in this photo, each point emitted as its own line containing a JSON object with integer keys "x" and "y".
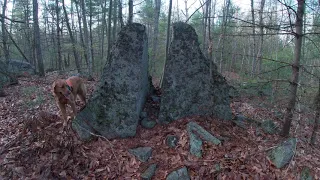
{"x": 142, "y": 153}
{"x": 180, "y": 174}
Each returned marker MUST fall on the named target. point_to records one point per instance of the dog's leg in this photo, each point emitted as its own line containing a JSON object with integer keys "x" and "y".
{"x": 74, "y": 110}
{"x": 62, "y": 108}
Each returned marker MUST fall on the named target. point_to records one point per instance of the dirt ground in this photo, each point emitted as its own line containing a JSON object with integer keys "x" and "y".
{"x": 34, "y": 145}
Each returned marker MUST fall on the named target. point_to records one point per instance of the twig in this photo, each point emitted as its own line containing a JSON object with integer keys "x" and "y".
{"x": 97, "y": 135}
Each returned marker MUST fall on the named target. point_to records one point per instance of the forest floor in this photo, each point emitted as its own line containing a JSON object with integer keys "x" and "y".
{"x": 34, "y": 145}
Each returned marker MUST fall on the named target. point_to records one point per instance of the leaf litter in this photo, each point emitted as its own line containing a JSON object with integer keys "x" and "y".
{"x": 34, "y": 145}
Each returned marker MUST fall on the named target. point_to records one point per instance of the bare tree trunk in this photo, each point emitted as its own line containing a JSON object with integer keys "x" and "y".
{"x": 104, "y": 24}
{"x": 168, "y": 39}
{"x": 81, "y": 33}
{"x": 254, "y": 60}
{"x": 317, "y": 118}
{"x": 295, "y": 69}
{"x": 91, "y": 38}
{"x": 120, "y": 14}
{"x": 206, "y": 17}
{"x": 259, "y": 69}
{"x": 73, "y": 41}
{"x": 37, "y": 38}
{"x": 168, "y": 29}
{"x": 4, "y": 34}
{"x": 109, "y": 31}
{"x": 86, "y": 38}
{"x": 186, "y": 8}
{"x": 114, "y": 19}
{"x": 58, "y": 37}
{"x": 224, "y": 29}
{"x": 155, "y": 33}
{"x": 130, "y": 16}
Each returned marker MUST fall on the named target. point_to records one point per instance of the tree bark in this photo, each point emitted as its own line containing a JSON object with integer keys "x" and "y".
{"x": 86, "y": 38}
{"x": 130, "y": 16}
{"x": 120, "y": 16}
{"x": 168, "y": 39}
{"x": 37, "y": 38}
{"x": 109, "y": 31}
{"x": 90, "y": 33}
{"x": 73, "y": 41}
{"x": 155, "y": 33}
{"x": 254, "y": 60}
{"x": 104, "y": 24}
{"x": 4, "y": 33}
{"x": 259, "y": 69}
{"x": 295, "y": 69}
{"x": 114, "y": 19}
{"x": 58, "y": 37}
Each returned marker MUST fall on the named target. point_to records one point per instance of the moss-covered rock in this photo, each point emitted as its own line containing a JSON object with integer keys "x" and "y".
{"x": 191, "y": 85}
{"x": 114, "y": 108}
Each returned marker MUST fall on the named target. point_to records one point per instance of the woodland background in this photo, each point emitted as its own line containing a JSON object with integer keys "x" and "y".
{"x": 268, "y": 50}
{"x": 259, "y": 41}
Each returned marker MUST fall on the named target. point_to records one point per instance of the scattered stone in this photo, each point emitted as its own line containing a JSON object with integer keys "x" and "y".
{"x": 305, "y": 174}
{"x": 191, "y": 83}
{"x": 217, "y": 167}
{"x": 195, "y": 145}
{"x": 193, "y": 127}
{"x": 147, "y": 123}
{"x": 195, "y": 132}
{"x": 114, "y": 108}
{"x": 240, "y": 121}
{"x": 281, "y": 155}
{"x": 180, "y": 174}
{"x": 172, "y": 141}
{"x": 269, "y": 127}
{"x": 142, "y": 153}
{"x": 155, "y": 98}
{"x": 148, "y": 173}
{"x": 143, "y": 114}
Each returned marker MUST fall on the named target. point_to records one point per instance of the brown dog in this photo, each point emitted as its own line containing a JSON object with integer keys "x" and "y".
{"x": 65, "y": 92}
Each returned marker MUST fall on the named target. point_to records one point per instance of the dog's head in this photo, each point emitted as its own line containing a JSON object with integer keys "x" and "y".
{"x": 60, "y": 88}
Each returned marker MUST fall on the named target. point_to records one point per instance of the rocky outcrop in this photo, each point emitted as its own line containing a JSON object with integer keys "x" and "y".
{"x": 114, "y": 108}
{"x": 191, "y": 83}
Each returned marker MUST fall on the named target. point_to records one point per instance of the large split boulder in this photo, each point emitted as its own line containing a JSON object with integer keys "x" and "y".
{"x": 114, "y": 108}
{"x": 191, "y": 83}
{"x": 20, "y": 67}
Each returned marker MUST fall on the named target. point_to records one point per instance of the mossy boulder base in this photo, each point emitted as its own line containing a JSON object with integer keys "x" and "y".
{"x": 114, "y": 108}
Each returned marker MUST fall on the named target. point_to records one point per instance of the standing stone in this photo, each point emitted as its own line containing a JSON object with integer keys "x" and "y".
{"x": 190, "y": 86}
{"x": 114, "y": 108}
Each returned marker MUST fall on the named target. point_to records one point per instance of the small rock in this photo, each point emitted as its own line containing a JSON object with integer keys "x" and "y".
{"x": 155, "y": 99}
{"x": 172, "y": 141}
{"x": 180, "y": 174}
{"x": 146, "y": 123}
{"x": 240, "y": 118}
{"x": 142, "y": 153}
{"x": 282, "y": 155}
{"x": 143, "y": 114}
{"x": 305, "y": 174}
{"x": 148, "y": 173}
{"x": 195, "y": 145}
{"x": 269, "y": 127}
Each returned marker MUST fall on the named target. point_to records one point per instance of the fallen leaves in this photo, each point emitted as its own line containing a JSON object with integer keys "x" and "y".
{"x": 37, "y": 146}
